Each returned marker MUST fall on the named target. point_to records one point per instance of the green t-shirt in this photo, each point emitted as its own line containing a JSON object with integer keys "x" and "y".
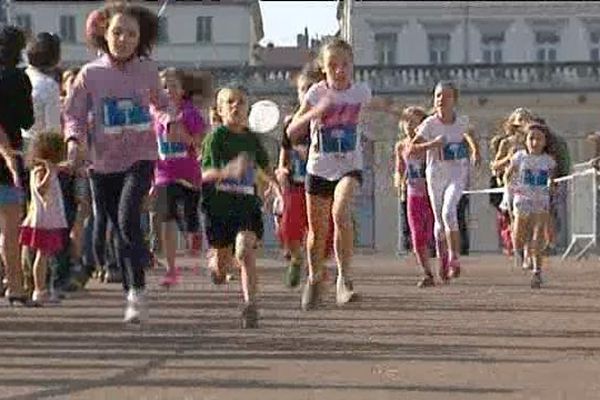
{"x": 220, "y": 147}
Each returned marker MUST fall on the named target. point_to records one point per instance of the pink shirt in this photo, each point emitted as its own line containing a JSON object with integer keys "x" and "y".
{"x": 176, "y": 161}
{"x": 109, "y": 111}
{"x": 416, "y": 184}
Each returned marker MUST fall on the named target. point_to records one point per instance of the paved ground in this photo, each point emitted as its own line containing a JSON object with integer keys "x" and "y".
{"x": 485, "y": 336}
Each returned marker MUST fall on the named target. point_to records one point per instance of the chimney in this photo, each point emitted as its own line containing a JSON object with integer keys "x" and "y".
{"x": 299, "y": 40}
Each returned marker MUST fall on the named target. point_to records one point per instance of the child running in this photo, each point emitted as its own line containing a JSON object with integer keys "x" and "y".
{"x": 450, "y": 145}
{"x": 43, "y": 229}
{"x": 232, "y": 159}
{"x": 332, "y": 108}
{"x": 118, "y": 94}
{"x": 410, "y": 172}
{"x": 532, "y": 170}
{"x": 291, "y": 174}
{"x": 177, "y": 176}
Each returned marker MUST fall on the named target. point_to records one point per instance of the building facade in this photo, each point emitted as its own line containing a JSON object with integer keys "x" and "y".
{"x": 192, "y": 33}
{"x": 451, "y": 32}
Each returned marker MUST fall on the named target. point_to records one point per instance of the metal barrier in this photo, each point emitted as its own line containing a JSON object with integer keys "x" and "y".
{"x": 583, "y": 209}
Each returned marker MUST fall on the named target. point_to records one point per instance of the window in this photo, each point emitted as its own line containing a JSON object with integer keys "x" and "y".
{"x": 385, "y": 48}
{"x": 67, "y": 29}
{"x": 491, "y": 47}
{"x": 546, "y": 45}
{"x": 439, "y": 48}
{"x": 23, "y": 21}
{"x": 163, "y": 30}
{"x": 595, "y": 45}
{"x": 204, "y": 29}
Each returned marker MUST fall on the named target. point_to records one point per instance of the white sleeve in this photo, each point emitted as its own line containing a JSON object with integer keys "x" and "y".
{"x": 425, "y": 129}
{"x": 366, "y": 94}
{"x": 313, "y": 94}
{"x": 517, "y": 158}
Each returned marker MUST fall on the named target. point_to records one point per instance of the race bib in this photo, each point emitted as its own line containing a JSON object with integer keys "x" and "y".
{"x": 537, "y": 178}
{"x": 172, "y": 150}
{"x": 415, "y": 170}
{"x": 125, "y": 115}
{"x": 298, "y": 167}
{"x": 338, "y": 139}
{"x": 455, "y": 151}
{"x": 245, "y": 185}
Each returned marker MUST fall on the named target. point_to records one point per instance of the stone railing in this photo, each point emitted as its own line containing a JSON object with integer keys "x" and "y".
{"x": 474, "y": 78}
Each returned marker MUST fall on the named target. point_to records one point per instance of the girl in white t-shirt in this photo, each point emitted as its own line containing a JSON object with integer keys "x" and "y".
{"x": 531, "y": 171}
{"x": 449, "y": 146}
{"x": 332, "y": 109}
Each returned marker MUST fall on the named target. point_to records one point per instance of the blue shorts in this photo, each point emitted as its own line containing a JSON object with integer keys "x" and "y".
{"x": 10, "y": 195}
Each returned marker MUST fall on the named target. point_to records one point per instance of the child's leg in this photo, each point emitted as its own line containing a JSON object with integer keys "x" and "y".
{"x": 452, "y": 196}
{"x": 435, "y": 188}
{"x": 420, "y": 223}
{"x": 40, "y": 272}
{"x": 245, "y": 254}
{"x": 539, "y": 239}
{"x": 521, "y": 233}
{"x": 318, "y": 210}
{"x": 169, "y": 244}
{"x": 342, "y": 219}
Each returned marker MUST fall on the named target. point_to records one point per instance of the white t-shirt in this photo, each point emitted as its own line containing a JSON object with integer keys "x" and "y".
{"x": 45, "y": 96}
{"x": 533, "y": 173}
{"x": 335, "y": 147}
{"x": 455, "y": 148}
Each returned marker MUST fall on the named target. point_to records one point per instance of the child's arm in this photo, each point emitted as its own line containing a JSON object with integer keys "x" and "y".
{"x": 41, "y": 178}
{"x": 400, "y": 167}
{"x": 509, "y": 173}
{"x": 300, "y": 121}
{"x": 282, "y": 172}
{"x": 473, "y": 146}
{"x": 503, "y": 156}
{"x": 419, "y": 143}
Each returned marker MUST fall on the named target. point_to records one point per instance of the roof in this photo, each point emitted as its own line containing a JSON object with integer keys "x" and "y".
{"x": 284, "y": 56}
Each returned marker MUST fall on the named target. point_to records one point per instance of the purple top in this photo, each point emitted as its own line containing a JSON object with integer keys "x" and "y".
{"x": 177, "y": 161}
{"x": 109, "y": 111}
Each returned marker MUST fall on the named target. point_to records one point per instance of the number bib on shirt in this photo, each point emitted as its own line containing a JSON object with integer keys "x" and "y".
{"x": 172, "y": 150}
{"x": 298, "y": 167}
{"x": 536, "y": 178}
{"x": 124, "y": 114}
{"x": 338, "y": 139}
{"x": 455, "y": 151}
{"x": 242, "y": 186}
{"x": 415, "y": 169}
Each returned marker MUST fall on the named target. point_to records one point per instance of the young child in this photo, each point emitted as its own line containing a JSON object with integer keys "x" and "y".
{"x": 332, "y": 109}
{"x": 43, "y": 229}
{"x": 232, "y": 159}
{"x": 447, "y": 138}
{"x": 410, "y": 172}
{"x": 108, "y": 117}
{"x": 514, "y": 141}
{"x": 177, "y": 177}
{"x": 291, "y": 174}
{"x": 532, "y": 170}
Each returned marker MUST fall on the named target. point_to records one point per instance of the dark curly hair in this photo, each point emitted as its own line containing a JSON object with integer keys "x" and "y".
{"x": 12, "y": 43}
{"x": 44, "y": 50}
{"x": 147, "y": 21}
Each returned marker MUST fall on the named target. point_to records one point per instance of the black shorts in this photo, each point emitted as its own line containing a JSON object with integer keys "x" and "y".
{"x": 176, "y": 202}
{"x": 221, "y": 230}
{"x": 318, "y": 186}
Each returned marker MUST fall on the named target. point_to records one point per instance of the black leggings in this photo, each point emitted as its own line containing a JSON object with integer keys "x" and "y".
{"x": 120, "y": 196}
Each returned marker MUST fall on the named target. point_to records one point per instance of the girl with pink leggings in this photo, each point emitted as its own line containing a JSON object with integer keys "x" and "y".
{"x": 410, "y": 174}
{"x": 449, "y": 146}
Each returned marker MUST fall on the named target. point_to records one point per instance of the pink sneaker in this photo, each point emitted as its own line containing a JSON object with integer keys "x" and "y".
{"x": 170, "y": 279}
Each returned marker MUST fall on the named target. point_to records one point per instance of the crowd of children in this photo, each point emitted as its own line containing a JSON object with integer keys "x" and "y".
{"x": 128, "y": 136}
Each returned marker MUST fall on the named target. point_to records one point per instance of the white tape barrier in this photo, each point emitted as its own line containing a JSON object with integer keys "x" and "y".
{"x": 588, "y": 171}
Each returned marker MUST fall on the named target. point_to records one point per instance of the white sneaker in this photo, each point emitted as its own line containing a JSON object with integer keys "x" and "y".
{"x": 135, "y": 309}
{"x": 344, "y": 290}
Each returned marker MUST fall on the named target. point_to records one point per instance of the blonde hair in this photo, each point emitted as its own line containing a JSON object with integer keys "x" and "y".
{"x": 335, "y": 44}
{"x": 221, "y": 96}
